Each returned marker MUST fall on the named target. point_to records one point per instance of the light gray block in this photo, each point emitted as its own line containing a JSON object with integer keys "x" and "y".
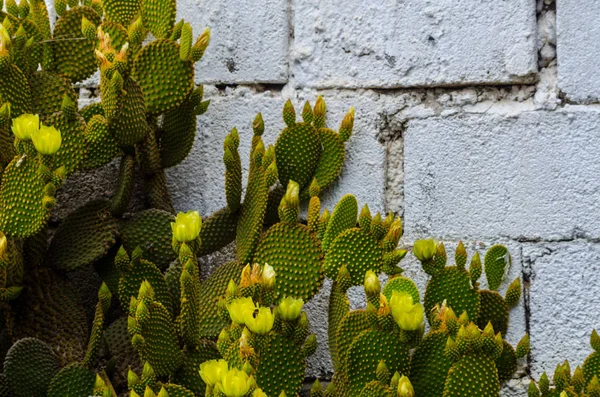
{"x": 564, "y": 302}
{"x": 534, "y": 176}
{"x": 198, "y": 183}
{"x": 578, "y": 46}
{"x": 249, "y": 39}
{"x": 362, "y": 43}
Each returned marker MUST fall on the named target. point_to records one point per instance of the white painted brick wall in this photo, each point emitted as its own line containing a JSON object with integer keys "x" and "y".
{"x": 464, "y": 125}
{"x": 578, "y": 45}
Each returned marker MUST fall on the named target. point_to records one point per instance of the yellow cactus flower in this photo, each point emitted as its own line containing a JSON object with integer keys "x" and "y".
{"x": 186, "y": 226}
{"x": 25, "y": 126}
{"x": 239, "y": 309}
{"x": 290, "y": 308}
{"x": 235, "y": 383}
{"x": 260, "y": 321}
{"x": 268, "y": 276}
{"x": 408, "y": 316}
{"x": 405, "y": 388}
{"x": 424, "y": 249}
{"x": 213, "y": 371}
{"x": 46, "y": 140}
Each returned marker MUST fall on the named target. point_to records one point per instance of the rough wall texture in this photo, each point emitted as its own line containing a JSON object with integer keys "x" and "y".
{"x": 475, "y": 120}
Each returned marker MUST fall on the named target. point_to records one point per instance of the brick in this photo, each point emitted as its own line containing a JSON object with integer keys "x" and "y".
{"x": 533, "y": 176}
{"x": 564, "y": 302}
{"x": 198, "y": 183}
{"x": 249, "y": 39}
{"x": 578, "y": 46}
{"x": 353, "y": 43}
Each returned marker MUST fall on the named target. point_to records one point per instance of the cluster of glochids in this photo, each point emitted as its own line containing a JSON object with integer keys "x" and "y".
{"x": 583, "y": 382}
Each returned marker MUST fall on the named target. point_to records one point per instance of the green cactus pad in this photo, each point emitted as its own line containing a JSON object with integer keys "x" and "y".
{"x": 297, "y": 153}
{"x": 356, "y": 249}
{"x": 591, "y": 366}
{"x": 130, "y": 126}
{"x": 161, "y": 347}
{"x": 29, "y": 367}
{"x": 493, "y": 308}
{"x": 365, "y": 353}
{"x": 102, "y": 147}
{"x": 496, "y": 263}
{"x": 14, "y": 89}
{"x": 376, "y": 389}
{"x": 119, "y": 345}
{"x": 72, "y": 380}
{"x": 472, "y": 376}
{"x": 213, "y": 289}
{"x": 158, "y": 16}
{"x": 188, "y": 375}
{"x": 430, "y": 365}
{"x": 117, "y": 32}
{"x": 74, "y": 56}
{"x": 91, "y": 110}
{"x": 130, "y": 284}
{"x": 151, "y": 231}
{"x": 295, "y": 254}
{"x": 84, "y": 236}
{"x": 251, "y": 216}
{"x": 47, "y": 303}
{"x": 353, "y": 324}
{"x": 452, "y": 285}
{"x": 47, "y": 92}
{"x": 339, "y": 306}
{"x": 402, "y": 284}
{"x": 218, "y": 230}
{"x": 30, "y": 62}
{"x": 331, "y": 160}
{"x": 175, "y": 390}
{"x": 121, "y": 11}
{"x": 281, "y": 366}
{"x": 73, "y": 149}
{"x": 344, "y": 217}
{"x": 179, "y": 131}
{"x": 22, "y": 213}
{"x": 506, "y": 364}
{"x": 165, "y": 79}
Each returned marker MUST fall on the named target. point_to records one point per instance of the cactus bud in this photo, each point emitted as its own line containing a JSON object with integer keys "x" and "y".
{"x": 319, "y": 113}
{"x": 258, "y": 125}
{"x": 231, "y": 289}
{"x": 513, "y": 293}
{"x": 259, "y": 393}
{"x": 88, "y": 29}
{"x": 544, "y": 383}
{"x": 347, "y": 126}
{"x": 132, "y": 378}
{"x": 290, "y": 308}
{"x": 372, "y": 284}
{"x": 149, "y": 392}
{"x": 163, "y": 392}
{"x": 475, "y": 268}
{"x": 289, "y": 113}
{"x": 200, "y": 46}
{"x": 3, "y": 245}
{"x": 523, "y": 347}
{"x": 148, "y": 372}
{"x": 595, "y": 341}
{"x": 185, "y": 44}
{"x": 405, "y": 388}
{"x": 146, "y": 291}
{"x": 533, "y": 391}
